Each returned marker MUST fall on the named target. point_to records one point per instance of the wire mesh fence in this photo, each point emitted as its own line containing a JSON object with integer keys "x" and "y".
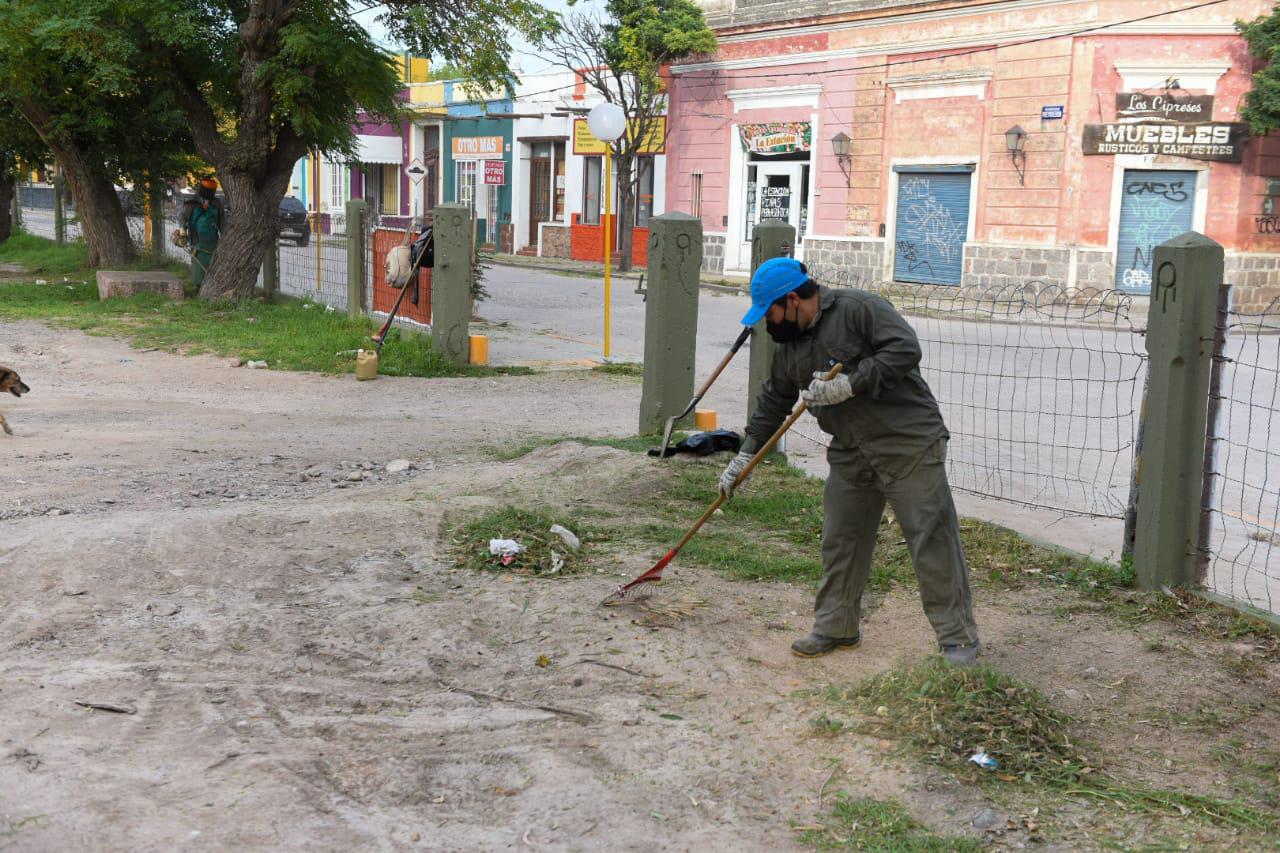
{"x": 1240, "y": 555}
{"x": 1040, "y": 387}
{"x": 317, "y": 269}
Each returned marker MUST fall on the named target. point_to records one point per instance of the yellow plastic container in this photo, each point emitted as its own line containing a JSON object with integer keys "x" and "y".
{"x": 479, "y": 349}
{"x": 704, "y": 419}
{"x": 366, "y": 364}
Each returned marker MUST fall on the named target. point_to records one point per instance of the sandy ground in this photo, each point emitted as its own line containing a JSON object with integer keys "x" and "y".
{"x": 221, "y": 551}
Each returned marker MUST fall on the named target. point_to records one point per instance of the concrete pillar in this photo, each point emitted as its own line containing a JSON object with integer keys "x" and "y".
{"x": 356, "y": 286}
{"x": 156, "y": 196}
{"x": 451, "y": 282}
{"x": 772, "y": 238}
{"x": 670, "y": 318}
{"x": 271, "y": 270}
{"x": 1180, "y": 336}
{"x": 59, "y": 210}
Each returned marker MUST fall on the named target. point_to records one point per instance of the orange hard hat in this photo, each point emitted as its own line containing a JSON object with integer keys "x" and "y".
{"x": 209, "y": 183}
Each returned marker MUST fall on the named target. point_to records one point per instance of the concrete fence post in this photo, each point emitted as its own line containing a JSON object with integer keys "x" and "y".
{"x": 670, "y": 317}
{"x": 451, "y": 282}
{"x": 1180, "y": 337}
{"x": 772, "y": 238}
{"x": 155, "y": 192}
{"x": 271, "y": 269}
{"x": 356, "y": 285}
{"x": 59, "y": 210}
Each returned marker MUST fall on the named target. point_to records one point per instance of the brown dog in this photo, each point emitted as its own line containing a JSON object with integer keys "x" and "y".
{"x": 10, "y": 381}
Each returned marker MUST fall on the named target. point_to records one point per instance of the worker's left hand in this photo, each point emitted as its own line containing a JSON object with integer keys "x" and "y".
{"x": 826, "y": 392}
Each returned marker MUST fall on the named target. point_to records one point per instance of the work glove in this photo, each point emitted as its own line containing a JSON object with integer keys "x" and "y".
{"x": 731, "y": 472}
{"x": 826, "y": 392}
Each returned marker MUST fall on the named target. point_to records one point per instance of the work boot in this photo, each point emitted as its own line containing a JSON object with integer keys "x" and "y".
{"x": 816, "y": 645}
{"x": 965, "y": 654}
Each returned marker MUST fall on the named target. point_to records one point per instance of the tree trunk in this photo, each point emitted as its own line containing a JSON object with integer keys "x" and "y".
{"x": 6, "y": 203}
{"x": 626, "y": 210}
{"x": 101, "y": 217}
{"x": 248, "y": 230}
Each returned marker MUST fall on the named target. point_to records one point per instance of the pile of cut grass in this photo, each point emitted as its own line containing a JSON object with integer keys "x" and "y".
{"x": 946, "y": 714}
{"x": 545, "y": 554}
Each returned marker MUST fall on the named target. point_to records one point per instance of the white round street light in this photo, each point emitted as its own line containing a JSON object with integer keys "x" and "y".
{"x": 607, "y": 122}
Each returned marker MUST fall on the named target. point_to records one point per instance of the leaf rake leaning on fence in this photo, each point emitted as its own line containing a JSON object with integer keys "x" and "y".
{"x": 644, "y": 586}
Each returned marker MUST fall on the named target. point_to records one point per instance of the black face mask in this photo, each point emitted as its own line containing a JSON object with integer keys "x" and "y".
{"x": 785, "y": 332}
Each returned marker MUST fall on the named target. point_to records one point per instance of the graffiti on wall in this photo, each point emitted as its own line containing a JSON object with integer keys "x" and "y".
{"x": 1154, "y": 211}
{"x": 932, "y": 233}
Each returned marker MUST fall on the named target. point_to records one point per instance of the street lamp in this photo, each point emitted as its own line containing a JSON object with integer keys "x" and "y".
{"x": 841, "y": 147}
{"x": 1015, "y": 139}
{"x": 607, "y": 122}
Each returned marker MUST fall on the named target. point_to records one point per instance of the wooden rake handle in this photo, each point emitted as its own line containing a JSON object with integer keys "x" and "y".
{"x": 755, "y": 460}
{"x": 715, "y": 374}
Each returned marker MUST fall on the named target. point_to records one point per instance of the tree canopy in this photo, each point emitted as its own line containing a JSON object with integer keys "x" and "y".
{"x": 622, "y": 55}
{"x": 76, "y": 76}
{"x": 253, "y": 84}
{"x": 1262, "y": 104}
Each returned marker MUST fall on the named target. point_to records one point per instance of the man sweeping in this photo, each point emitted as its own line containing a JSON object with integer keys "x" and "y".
{"x": 889, "y": 443}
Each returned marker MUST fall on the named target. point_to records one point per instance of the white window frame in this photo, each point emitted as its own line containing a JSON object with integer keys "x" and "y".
{"x": 464, "y": 192}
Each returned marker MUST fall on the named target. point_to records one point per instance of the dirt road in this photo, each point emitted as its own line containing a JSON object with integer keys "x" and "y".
{"x": 221, "y": 553}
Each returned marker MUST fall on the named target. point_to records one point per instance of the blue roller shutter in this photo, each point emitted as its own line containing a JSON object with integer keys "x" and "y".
{"x": 931, "y": 226}
{"x": 1155, "y": 206}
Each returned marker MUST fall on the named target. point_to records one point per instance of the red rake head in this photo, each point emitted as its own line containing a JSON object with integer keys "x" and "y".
{"x": 640, "y": 588}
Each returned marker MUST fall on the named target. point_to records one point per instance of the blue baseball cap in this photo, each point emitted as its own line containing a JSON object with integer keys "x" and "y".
{"x": 774, "y": 279}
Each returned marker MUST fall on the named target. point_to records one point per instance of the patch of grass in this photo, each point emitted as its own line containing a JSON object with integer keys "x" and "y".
{"x": 288, "y": 335}
{"x": 44, "y": 257}
{"x": 632, "y": 369}
{"x": 1193, "y": 615}
{"x": 946, "y": 714}
{"x": 1254, "y": 771}
{"x": 880, "y": 826}
{"x": 780, "y": 515}
{"x": 545, "y": 553}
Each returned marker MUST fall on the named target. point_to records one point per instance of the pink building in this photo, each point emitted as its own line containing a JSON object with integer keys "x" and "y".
{"x": 978, "y": 143}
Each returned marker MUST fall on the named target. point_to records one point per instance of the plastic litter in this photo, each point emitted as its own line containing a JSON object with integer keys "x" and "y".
{"x": 256, "y": 365}
{"x": 567, "y": 535}
{"x": 504, "y": 547}
{"x": 986, "y": 762}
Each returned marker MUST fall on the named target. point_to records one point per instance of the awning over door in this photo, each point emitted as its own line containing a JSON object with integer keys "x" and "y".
{"x": 378, "y": 149}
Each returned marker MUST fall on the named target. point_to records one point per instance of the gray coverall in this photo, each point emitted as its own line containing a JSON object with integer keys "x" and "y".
{"x": 888, "y": 443}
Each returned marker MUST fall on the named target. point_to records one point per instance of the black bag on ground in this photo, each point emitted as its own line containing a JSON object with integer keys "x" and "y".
{"x": 705, "y": 443}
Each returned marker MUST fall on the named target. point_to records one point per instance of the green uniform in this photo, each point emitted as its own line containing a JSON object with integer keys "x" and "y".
{"x": 888, "y": 444}
{"x": 204, "y": 226}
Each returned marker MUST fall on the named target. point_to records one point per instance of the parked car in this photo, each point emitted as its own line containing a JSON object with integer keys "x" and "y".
{"x": 293, "y": 221}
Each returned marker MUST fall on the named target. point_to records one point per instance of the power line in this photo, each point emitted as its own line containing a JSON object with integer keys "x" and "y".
{"x": 712, "y": 74}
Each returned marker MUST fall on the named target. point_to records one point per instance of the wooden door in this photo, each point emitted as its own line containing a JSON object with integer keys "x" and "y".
{"x": 539, "y": 195}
